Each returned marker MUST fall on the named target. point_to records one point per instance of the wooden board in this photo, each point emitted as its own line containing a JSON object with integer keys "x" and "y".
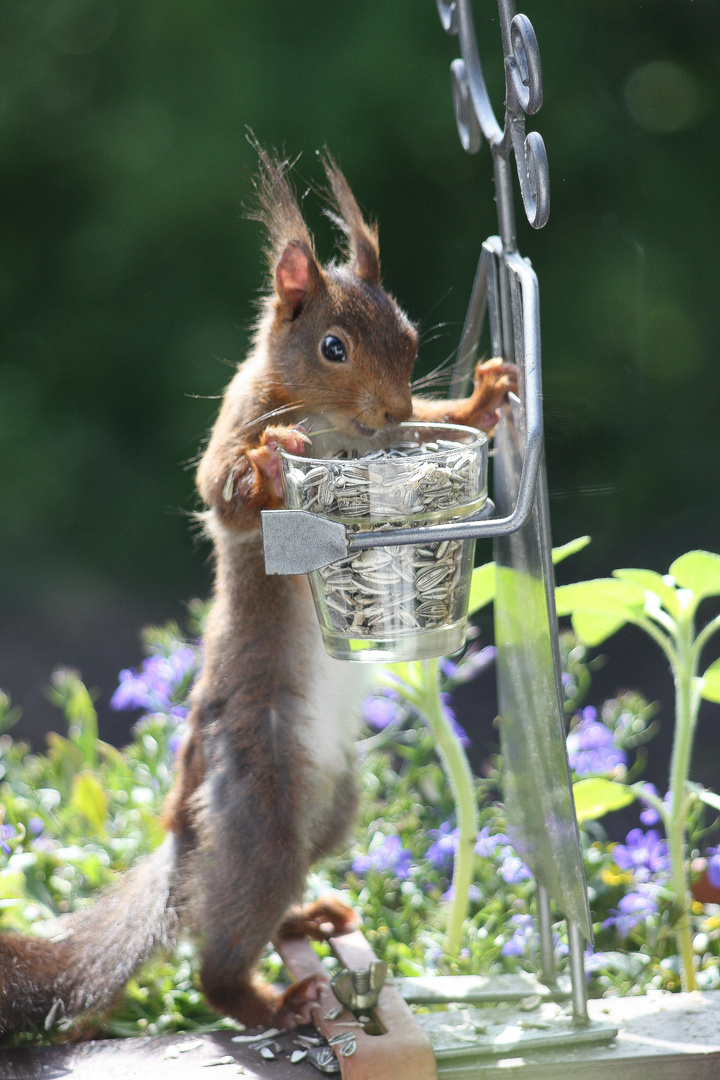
{"x": 667, "y": 1037}
{"x": 146, "y": 1059}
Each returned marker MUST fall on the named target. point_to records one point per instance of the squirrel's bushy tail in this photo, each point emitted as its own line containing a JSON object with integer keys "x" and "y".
{"x": 95, "y": 951}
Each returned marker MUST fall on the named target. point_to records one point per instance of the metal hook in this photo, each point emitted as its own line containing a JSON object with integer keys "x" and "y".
{"x": 523, "y": 97}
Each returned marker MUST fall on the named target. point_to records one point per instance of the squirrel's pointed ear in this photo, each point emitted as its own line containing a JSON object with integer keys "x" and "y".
{"x": 297, "y": 276}
{"x": 290, "y": 249}
{"x": 364, "y": 253}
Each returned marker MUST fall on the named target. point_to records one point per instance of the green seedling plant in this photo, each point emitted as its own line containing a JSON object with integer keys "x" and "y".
{"x": 418, "y": 685}
{"x": 666, "y": 608}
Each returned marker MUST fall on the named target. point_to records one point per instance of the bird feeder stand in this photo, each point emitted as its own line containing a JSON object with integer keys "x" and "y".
{"x": 537, "y": 782}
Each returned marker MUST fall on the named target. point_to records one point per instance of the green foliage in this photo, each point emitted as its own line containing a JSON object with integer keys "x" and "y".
{"x": 482, "y": 587}
{"x": 597, "y": 796}
{"x": 75, "y": 816}
{"x": 665, "y": 608}
{"x": 699, "y": 572}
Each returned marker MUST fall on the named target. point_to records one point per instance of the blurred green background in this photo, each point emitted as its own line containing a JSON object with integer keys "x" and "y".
{"x": 128, "y": 272}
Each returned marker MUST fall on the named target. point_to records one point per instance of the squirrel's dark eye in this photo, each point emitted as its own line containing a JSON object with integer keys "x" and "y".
{"x": 333, "y": 349}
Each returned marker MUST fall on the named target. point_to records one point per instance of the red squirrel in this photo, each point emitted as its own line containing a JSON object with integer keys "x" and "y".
{"x": 265, "y": 778}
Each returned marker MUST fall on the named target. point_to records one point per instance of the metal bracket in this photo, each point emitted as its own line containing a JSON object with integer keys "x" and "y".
{"x": 286, "y": 553}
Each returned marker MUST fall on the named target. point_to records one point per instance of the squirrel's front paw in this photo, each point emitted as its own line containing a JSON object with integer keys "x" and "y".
{"x": 265, "y": 458}
{"x": 326, "y": 917}
{"x": 494, "y": 380}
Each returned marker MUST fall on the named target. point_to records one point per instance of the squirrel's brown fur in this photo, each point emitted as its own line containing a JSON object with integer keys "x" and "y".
{"x": 265, "y": 782}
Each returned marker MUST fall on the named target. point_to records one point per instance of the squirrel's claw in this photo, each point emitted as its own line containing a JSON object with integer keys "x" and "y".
{"x": 297, "y": 1003}
{"x": 265, "y": 458}
{"x": 494, "y": 380}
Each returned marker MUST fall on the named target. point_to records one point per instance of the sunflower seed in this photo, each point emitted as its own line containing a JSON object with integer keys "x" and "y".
{"x": 323, "y": 1058}
{"x": 398, "y": 589}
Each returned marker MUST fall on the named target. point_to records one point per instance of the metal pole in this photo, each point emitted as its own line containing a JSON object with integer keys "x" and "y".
{"x": 548, "y": 974}
{"x": 576, "y": 946}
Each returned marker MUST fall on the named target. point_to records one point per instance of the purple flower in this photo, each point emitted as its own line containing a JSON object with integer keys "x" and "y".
{"x": 487, "y": 845}
{"x": 522, "y": 936}
{"x": 713, "y": 871}
{"x": 650, "y": 816}
{"x": 433, "y": 955}
{"x": 441, "y": 852}
{"x": 174, "y": 743}
{"x": 380, "y": 710}
{"x": 387, "y": 853}
{"x": 448, "y": 667}
{"x": 159, "y": 683}
{"x": 36, "y": 825}
{"x": 512, "y": 869}
{"x": 591, "y": 748}
{"x": 497, "y": 846}
{"x": 459, "y": 731}
{"x": 633, "y": 909}
{"x": 472, "y": 663}
{"x": 713, "y": 866}
{"x": 7, "y": 832}
{"x": 644, "y": 854}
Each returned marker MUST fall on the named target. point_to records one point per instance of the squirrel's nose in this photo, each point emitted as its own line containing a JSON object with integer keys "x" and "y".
{"x": 401, "y": 411}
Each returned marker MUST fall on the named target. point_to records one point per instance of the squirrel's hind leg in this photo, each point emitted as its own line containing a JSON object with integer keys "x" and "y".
{"x": 255, "y": 1003}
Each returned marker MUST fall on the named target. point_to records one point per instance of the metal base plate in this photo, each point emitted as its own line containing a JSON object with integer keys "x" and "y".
{"x": 479, "y": 989}
{"x": 506, "y": 1031}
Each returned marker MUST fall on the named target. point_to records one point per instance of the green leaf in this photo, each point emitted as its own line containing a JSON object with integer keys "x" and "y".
{"x": 599, "y": 607}
{"x": 571, "y": 548}
{"x": 73, "y": 697}
{"x": 698, "y": 571}
{"x": 89, "y": 798}
{"x": 593, "y": 627}
{"x": 710, "y": 682}
{"x": 482, "y": 588}
{"x": 653, "y": 582}
{"x": 65, "y": 756}
{"x": 12, "y": 884}
{"x": 708, "y": 797}
{"x": 595, "y": 796}
{"x": 601, "y": 594}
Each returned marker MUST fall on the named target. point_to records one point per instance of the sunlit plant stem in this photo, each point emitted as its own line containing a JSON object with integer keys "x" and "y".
{"x": 419, "y": 684}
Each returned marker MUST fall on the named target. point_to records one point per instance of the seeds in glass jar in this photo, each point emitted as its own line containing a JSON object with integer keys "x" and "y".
{"x": 386, "y": 590}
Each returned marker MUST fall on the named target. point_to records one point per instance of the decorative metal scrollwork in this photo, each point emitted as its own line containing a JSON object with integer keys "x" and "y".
{"x": 523, "y": 97}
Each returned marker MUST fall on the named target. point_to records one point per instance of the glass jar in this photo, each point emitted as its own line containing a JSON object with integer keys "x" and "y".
{"x": 401, "y": 602}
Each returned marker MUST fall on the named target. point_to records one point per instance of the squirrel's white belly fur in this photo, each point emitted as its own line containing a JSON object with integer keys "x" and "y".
{"x": 328, "y": 723}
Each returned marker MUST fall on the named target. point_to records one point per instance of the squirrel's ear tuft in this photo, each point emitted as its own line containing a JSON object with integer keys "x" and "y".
{"x": 364, "y": 252}
{"x": 296, "y": 275}
{"x": 276, "y": 206}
